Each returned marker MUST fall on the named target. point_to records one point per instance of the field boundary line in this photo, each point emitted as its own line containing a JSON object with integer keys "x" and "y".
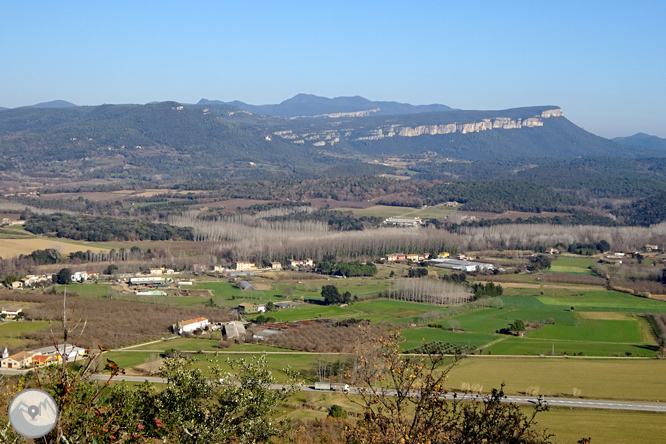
{"x": 146, "y": 343}
{"x": 493, "y": 342}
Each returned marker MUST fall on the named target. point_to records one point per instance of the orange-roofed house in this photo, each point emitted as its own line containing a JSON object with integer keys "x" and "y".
{"x": 42, "y": 360}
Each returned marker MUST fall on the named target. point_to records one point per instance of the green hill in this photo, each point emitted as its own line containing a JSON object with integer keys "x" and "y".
{"x": 643, "y": 140}
{"x": 213, "y": 140}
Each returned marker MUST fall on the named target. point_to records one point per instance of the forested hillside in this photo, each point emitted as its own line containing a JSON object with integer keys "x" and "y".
{"x": 104, "y": 229}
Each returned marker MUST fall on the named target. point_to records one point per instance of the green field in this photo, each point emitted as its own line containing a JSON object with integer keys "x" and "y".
{"x": 601, "y": 323}
{"x": 575, "y": 320}
{"x": 385, "y": 211}
{"x": 390, "y": 310}
{"x": 607, "y": 427}
{"x": 603, "y": 300}
{"x": 577, "y": 265}
{"x": 526, "y": 346}
{"x": 596, "y": 378}
{"x": 127, "y": 360}
{"x": 592, "y": 330}
{"x": 415, "y": 337}
{"x": 87, "y": 290}
{"x": 16, "y": 232}
{"x": 11, "y": 332}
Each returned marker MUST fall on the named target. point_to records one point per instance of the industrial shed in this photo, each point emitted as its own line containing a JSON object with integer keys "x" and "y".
{"x": 455, "y": 264}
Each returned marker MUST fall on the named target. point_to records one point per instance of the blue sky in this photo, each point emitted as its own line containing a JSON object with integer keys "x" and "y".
{"x": 603, "y": 62}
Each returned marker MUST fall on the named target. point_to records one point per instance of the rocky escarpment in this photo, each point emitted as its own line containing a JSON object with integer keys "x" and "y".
{"x": 398, "y": 130}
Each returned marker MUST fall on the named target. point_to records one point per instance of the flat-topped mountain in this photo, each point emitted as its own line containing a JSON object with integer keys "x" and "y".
{"x": 212, "y": 140}
{"x": 309, "y": 105}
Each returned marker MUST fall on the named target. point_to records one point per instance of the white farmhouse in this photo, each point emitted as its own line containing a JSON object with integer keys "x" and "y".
{"x": 191, "y": 325}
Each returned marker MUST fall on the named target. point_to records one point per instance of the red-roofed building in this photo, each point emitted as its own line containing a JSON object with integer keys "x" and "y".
{"x": 42, "y": 360}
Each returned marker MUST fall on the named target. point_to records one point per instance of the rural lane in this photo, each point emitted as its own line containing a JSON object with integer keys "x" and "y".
{"x": 553, "y": 402}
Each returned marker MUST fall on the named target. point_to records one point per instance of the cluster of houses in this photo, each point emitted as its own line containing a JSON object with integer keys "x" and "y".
{"x": 275, "y": 266}
{"x": 402, "y": 257}
{"x": 29, "y": 281}
{"x": 24, "y": 194}
{"x": 160, "y": 271}
{"x": 249, "y": 308}
{"x": 82, "y": 276}
{"x": 10, "y": 222}
{"x": 232, "y": 330}
{"x": 250, "y": 267}
{"x": 40, "y": 357}
{"x": 11, "y": 314}
{"x": 32, "y": 280}
{"x": 459, "y": 263}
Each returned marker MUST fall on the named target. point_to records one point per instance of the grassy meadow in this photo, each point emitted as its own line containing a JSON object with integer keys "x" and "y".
{"x": 12, "y": 334}
{"x": 385, "y": 211}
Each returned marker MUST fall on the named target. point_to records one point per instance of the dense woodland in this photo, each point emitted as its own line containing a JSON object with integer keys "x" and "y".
{"x": 95, "y": 229}
{"x": 582, "y": 192}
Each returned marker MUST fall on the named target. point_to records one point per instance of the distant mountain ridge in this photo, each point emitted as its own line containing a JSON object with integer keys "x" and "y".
{"x": 211, "y": 140}
{"x": 54, "y": 104}
{"x": 643, "y": 140}
{"x": 309, "y": 105}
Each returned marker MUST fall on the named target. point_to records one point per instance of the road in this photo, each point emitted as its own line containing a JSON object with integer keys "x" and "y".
{"x": 553, "y": 402}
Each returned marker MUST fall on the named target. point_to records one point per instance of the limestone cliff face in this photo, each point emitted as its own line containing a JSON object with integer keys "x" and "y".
{"x": 557, "y": 112}
{"x": 475, "y": 127}
{"x": 505, "y": 123}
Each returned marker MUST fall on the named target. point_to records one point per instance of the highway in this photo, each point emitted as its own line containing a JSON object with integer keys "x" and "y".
{"x": 553, "y": 402}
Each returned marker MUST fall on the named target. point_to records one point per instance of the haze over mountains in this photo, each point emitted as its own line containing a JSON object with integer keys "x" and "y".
{"x": 643, "y": 140}
{"x": 303, "y": 134}
{"x": 54, "y": 104}
{"x": 309, "y": 105}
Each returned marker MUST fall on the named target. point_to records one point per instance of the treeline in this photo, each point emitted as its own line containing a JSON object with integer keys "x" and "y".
{"x": 347, "y": 269}
{"x": 417, "y": 272}
{"x": 258, "y": 240}
{"x": 658, "y": 321}
{"x": 337, "y": 220}
{"x": 102, "y": 229}
{"x": 429, "y": 291}
{"x": 441, "y": 348}
{"x": 272, "y": 205}
{"x": 586, "y": 249}
{"x": 489, "y": 290}
{"x": 437, "y": 315}
{"x": 495, "y": 196}
{"x": 577, "y": 218}
{"x": 156, "y": 207}
{"x": 299, "y": 189}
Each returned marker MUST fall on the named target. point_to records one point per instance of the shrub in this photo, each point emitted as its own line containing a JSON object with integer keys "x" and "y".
{"x": 335, "y": 411}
